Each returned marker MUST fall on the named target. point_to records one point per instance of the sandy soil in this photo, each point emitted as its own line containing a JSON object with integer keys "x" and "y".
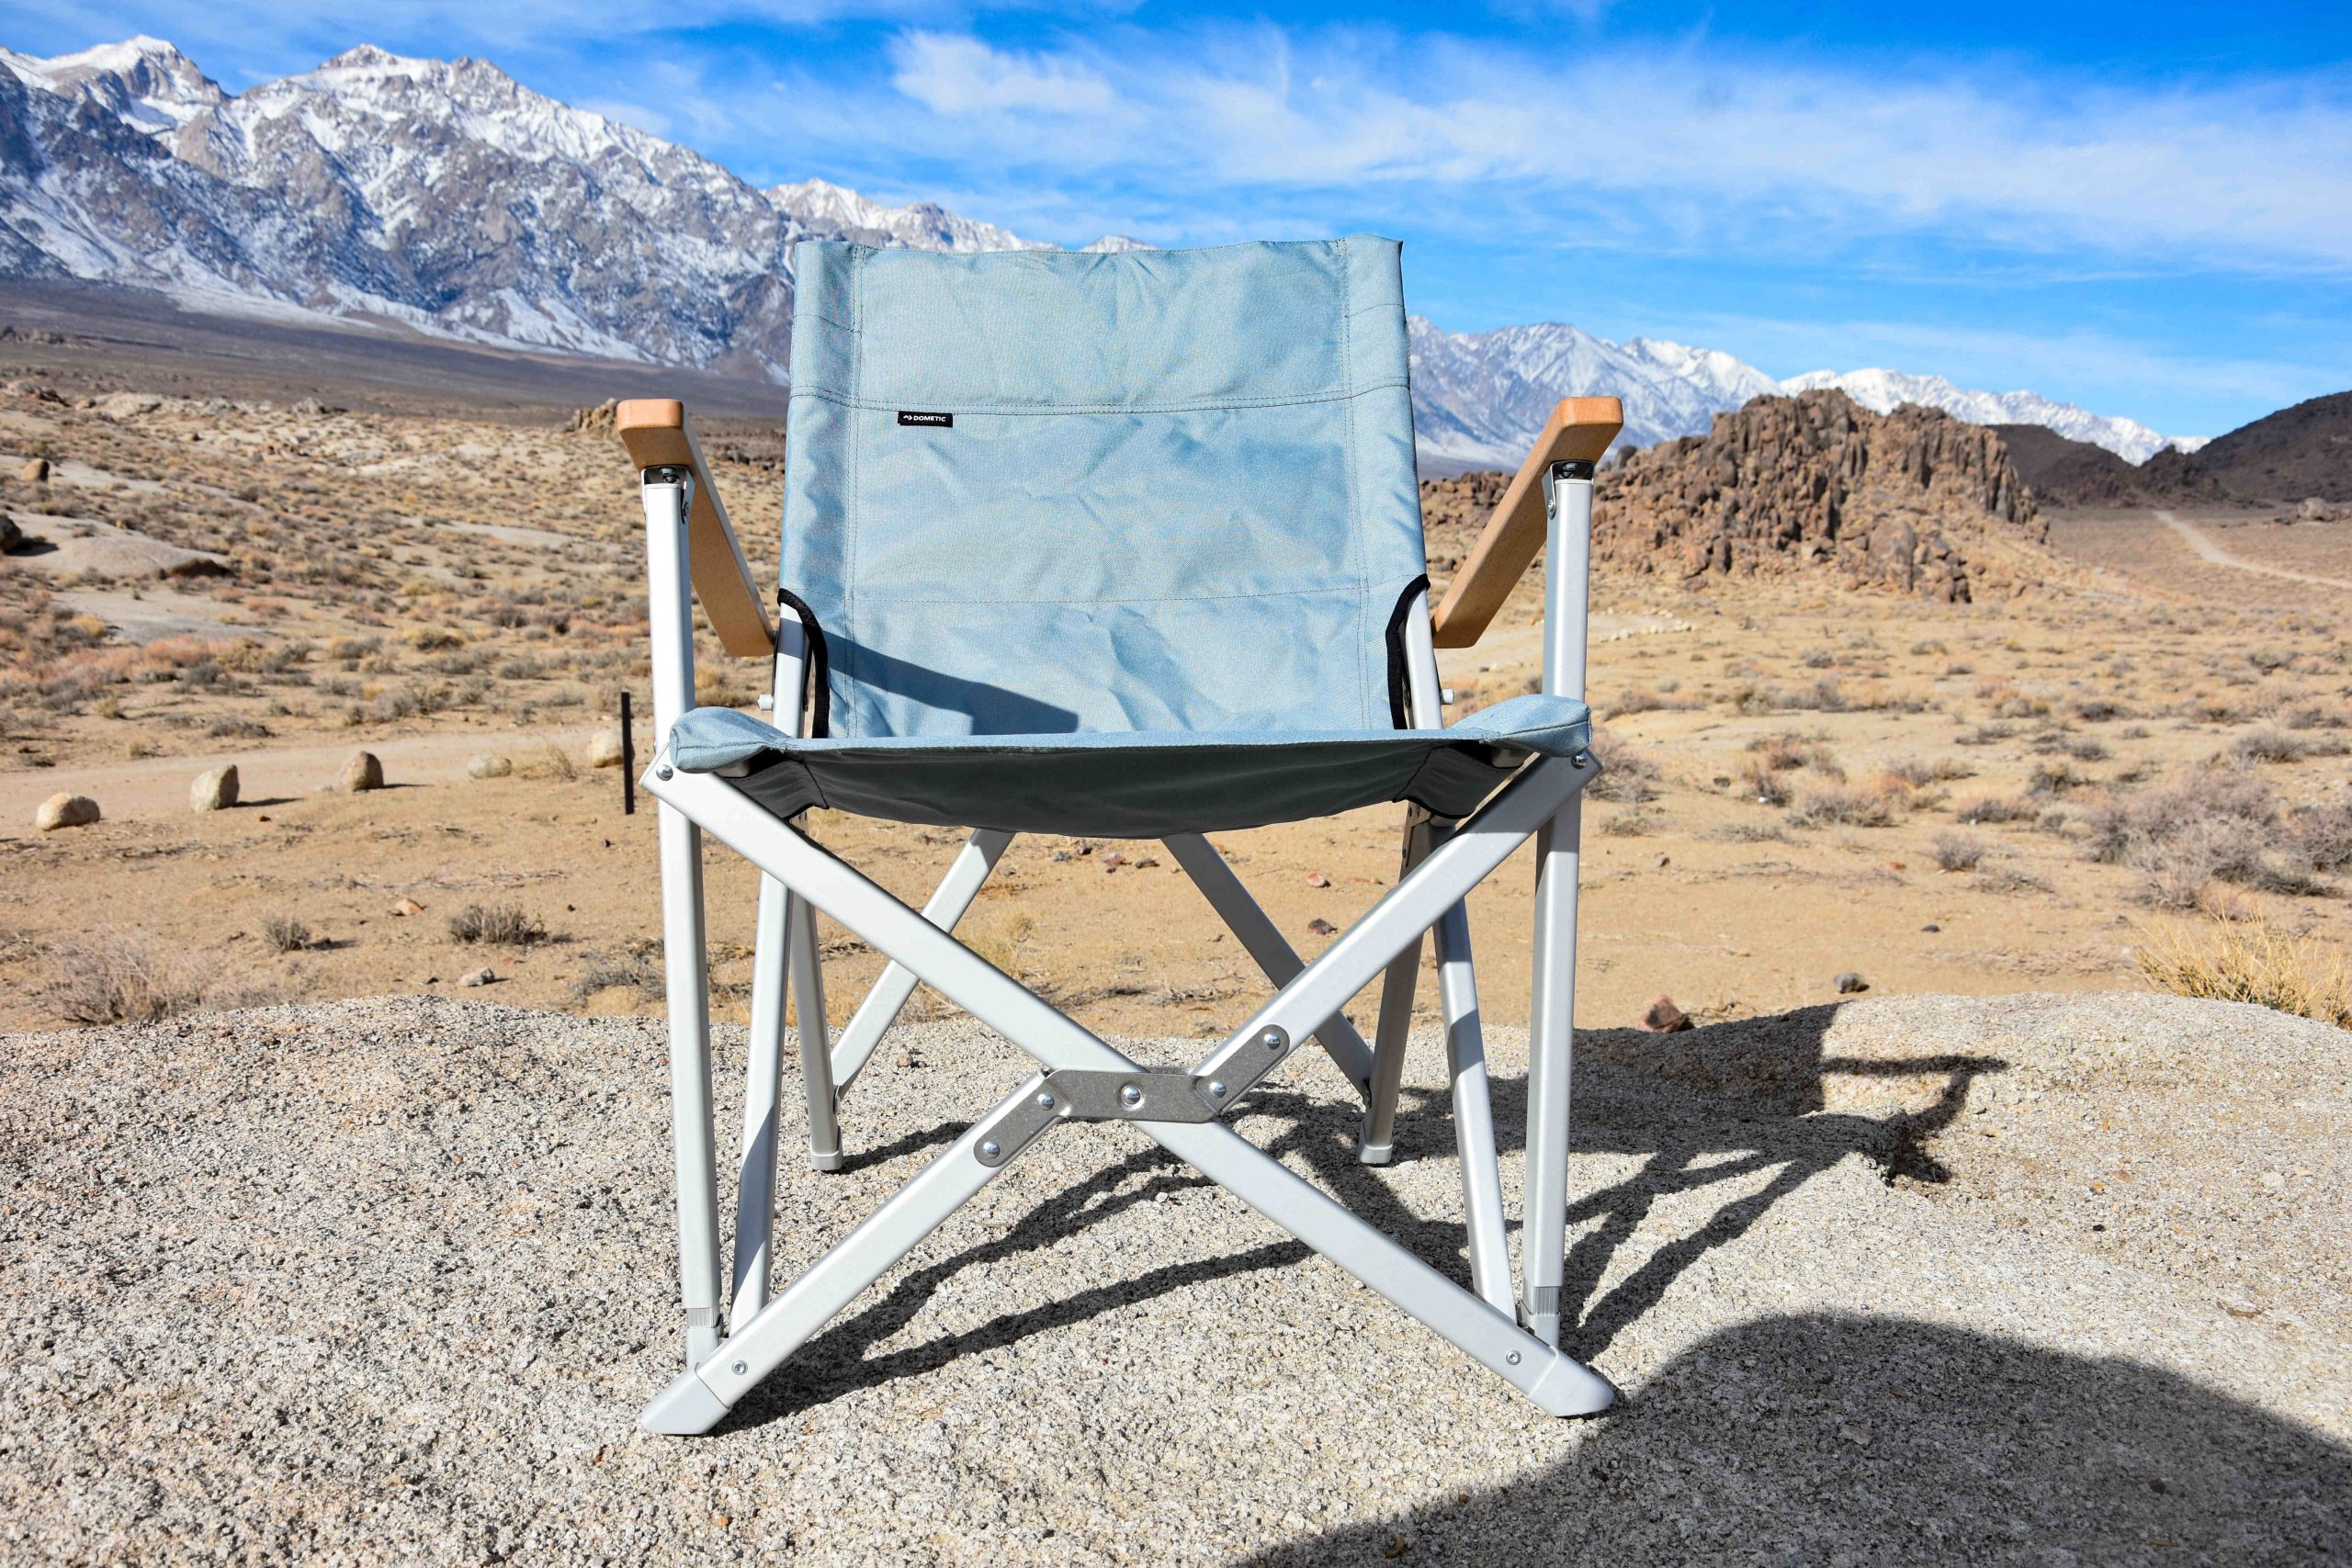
{"x": 2019, "y": 1280}
{"x": 435, "y": 585}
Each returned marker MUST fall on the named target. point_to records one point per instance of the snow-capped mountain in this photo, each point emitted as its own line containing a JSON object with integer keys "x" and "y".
{"x": 1479, "y": 399}
{"x": 1882, "y": 390}
{"x": 445, "y": 196}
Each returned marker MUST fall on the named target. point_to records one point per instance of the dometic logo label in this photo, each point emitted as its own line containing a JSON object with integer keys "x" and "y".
{"x": 908, "y": 416}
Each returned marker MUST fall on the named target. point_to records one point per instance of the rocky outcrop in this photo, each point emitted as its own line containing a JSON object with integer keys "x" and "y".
{"x": 1914, "y": 501}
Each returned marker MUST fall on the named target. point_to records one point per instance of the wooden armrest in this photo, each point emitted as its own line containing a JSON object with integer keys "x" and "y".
{"x": 1579, "y": 431}
{"x": 656, "y": 433}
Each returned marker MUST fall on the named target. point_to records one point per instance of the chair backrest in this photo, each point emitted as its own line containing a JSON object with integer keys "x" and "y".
{"x": 1045, "y": 491}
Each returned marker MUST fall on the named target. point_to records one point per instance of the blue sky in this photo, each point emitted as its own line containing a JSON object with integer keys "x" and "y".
{"x": 2145, "y": 209}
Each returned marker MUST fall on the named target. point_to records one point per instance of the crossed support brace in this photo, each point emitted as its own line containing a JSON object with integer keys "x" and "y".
{"x": 1557, "y": 1383}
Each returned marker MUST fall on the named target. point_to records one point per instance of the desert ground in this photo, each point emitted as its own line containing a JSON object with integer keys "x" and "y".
{"x": 1805, "y": 781}
{"x": 1941, "y": 1236}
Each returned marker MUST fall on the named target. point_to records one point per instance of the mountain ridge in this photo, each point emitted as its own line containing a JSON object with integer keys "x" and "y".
{"x": 446, "y": 197}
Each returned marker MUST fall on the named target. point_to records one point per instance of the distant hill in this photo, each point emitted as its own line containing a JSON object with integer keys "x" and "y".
{"x": 2063, "y": 472}
{"x": 2302, "y": 451}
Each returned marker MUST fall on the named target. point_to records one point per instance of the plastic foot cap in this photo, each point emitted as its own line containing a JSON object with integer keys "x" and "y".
{"x": 826, "y": 1162}
{"x": 1375, "y": 1154}
{"x": 1569, "y": 1387}
{"x": 685, "y": 1409}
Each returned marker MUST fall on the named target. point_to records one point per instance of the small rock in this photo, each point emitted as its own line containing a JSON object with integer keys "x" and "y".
{"x": 1931, "y": 927}
{"x": 1147, "y": 863}
{"x": 361, "y": 770}
{"x": 1113, "y": 859}
{"x": 10, "y": 535}
{"x": 406, "y": 907}
{"x": 1321, "y": 927}
{"x": 604, "y": 749}
{"x": 1662, "y": 1017}
{"x": 482, "y": 977}
{"x": 1665, "y": 860}
{"x": 2272, "y": 1181}
{"x": 490, "y": 765}
{"x": 1316, "y": 879}
{"x": 1850, "y": 984}
{"x": 214, "y": 791}
{"x": 65, "y": 811}
{"x": 35, "y": 471}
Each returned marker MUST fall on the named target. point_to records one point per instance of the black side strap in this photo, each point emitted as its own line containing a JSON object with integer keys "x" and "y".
{"x": 823, "y": 698}
{"x": 1400, "y": 683}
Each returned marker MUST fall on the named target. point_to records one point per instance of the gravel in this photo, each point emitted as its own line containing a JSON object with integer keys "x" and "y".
{"x": 390, "y": 1279}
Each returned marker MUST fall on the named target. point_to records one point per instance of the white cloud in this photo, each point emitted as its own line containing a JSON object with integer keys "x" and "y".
{"x": 954, "y": 74}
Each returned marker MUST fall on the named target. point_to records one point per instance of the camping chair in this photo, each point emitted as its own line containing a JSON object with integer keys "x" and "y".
{"x": 1126, "y": 545}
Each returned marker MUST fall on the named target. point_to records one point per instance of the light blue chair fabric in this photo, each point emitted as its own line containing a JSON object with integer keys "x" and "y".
{"x": 1112, "y": 544}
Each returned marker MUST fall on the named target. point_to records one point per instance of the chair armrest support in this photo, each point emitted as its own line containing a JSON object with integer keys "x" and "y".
{"x": 656, "y": 433}
{"x": 1579, "y": 431}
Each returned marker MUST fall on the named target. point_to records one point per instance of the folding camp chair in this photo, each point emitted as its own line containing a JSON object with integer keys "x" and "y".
{"x": 1127, "y": 545}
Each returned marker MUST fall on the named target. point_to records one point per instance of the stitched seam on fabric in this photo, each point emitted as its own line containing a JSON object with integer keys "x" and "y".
{"x": 892, "y": 599}
{"x": 1192, "y": 405}
{"x": 849, "y": 520}
{"x": 1356, "y": 500}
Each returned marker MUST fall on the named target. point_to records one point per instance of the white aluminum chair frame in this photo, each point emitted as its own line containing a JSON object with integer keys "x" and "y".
{"x": 1443, "y": 863}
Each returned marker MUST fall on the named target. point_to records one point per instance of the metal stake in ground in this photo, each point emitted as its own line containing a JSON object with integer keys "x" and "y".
{"x": 628, "y": 763}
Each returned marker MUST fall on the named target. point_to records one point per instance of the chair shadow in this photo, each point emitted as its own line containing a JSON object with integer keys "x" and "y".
{"x": 1711, "y": 1107}
{"x": 1826, "y": 1437}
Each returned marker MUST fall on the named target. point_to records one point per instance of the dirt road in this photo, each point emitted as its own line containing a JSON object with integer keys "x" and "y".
{"x": 2198, "y": 540}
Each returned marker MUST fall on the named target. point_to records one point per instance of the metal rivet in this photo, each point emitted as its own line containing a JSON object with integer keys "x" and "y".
{"x": 663, "y": 772}
{"x": 1131, "y": 1095}
{"x": 740, "y": 1368}
{"x": 1513, "y": 1358}
{"x": 1581, "y": 760}
{"x": 1044, "y": 1102}
{"x": 990, "y": 1149}
{"x": 1273, "y": 1040}
{"x": 1217, "y": 1087}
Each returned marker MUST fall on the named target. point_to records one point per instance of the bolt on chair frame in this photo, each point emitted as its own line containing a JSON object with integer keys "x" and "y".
{"x": 691, "y": 550}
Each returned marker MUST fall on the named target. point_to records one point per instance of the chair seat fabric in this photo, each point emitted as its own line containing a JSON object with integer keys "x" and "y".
{"x": 1133, "y": 783}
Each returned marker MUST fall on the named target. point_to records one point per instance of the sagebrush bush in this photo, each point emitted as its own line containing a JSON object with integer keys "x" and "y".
{"x": 496, "y": 925}
{"x": 2213, "y": 827}
{"x": 1627, "y": 776}
{"x": 1958, "y": 851}
{"x": 1843, "y": 807}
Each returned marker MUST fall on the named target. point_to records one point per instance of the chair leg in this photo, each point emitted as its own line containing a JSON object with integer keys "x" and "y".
{"x": 692, "y": 1137}
{"x": 1376, "y": 1137}
{"x": 1266, "y": 944}
{"x": 880, "y": 1009}
{"x": 763, "y": 1085}
{"x": 1474, "y": 1116}
{"x": 1550, "y": 1045}
{"x": 816, "y": 1036}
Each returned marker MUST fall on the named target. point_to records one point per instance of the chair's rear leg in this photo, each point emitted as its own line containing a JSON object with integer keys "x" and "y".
{"x": 1474, "y": 1116}
{"x": 1267, "y": 945}
{"x": 816, "y": 1035}
{"x": 1377, "y": 1138}
{"x": 882, "y": 1005}
{"x": 762, "y": 1086}
{"x": 1550, "y": 1047}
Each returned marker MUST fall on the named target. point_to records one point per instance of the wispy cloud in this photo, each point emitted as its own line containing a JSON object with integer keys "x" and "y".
{"x": 961, "y": 76}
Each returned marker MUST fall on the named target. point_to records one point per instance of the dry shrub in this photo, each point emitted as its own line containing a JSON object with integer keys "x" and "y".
{"x": 496, "y": 925}
{"x": 284, "y": 933}
{"x": 117, "y": 979}
{"x": 1627, "y": 776}
{"x": 550, "y": 762}
{"x": 1958, "y": 851}
{"x": 1782, "y": 751}
{"x": 2212, "y": 827}
{"x": 2270, "y": 745}
{"x": 2248, "y": 961}
{"x": 1844, "y": 806}
{"x": 1766, "y": 785}
{"x": 637, "y": 968}
{"x": 1941, "y": 770}
{"x": 1981, "y": 809}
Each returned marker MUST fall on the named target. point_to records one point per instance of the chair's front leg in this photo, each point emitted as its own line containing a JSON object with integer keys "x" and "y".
{"x": 816, "y": 1037}
{"x": 1376, "y": 1137}
{"x": 762, "y": 1086}
{"x": 667, "y": 497}
{"x": 1551, "y": 1031}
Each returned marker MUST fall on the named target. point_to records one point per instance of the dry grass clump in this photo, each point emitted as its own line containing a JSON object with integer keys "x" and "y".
{"x": 2248, "y": 961}
{"x": 1844, "y": 806}
{"x": 637, "y": 968}
{"x": 284, "y": 933}
{"x": 1958, "y": 851}
{"x": 2270, "y": 745}
{"x": 117, "y": 979}
{"x": 496, "y": 925}
{"x": 1983, "y": 810}
{"x": 1627, "y": 776}
{"x": 1940, "y": 770}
